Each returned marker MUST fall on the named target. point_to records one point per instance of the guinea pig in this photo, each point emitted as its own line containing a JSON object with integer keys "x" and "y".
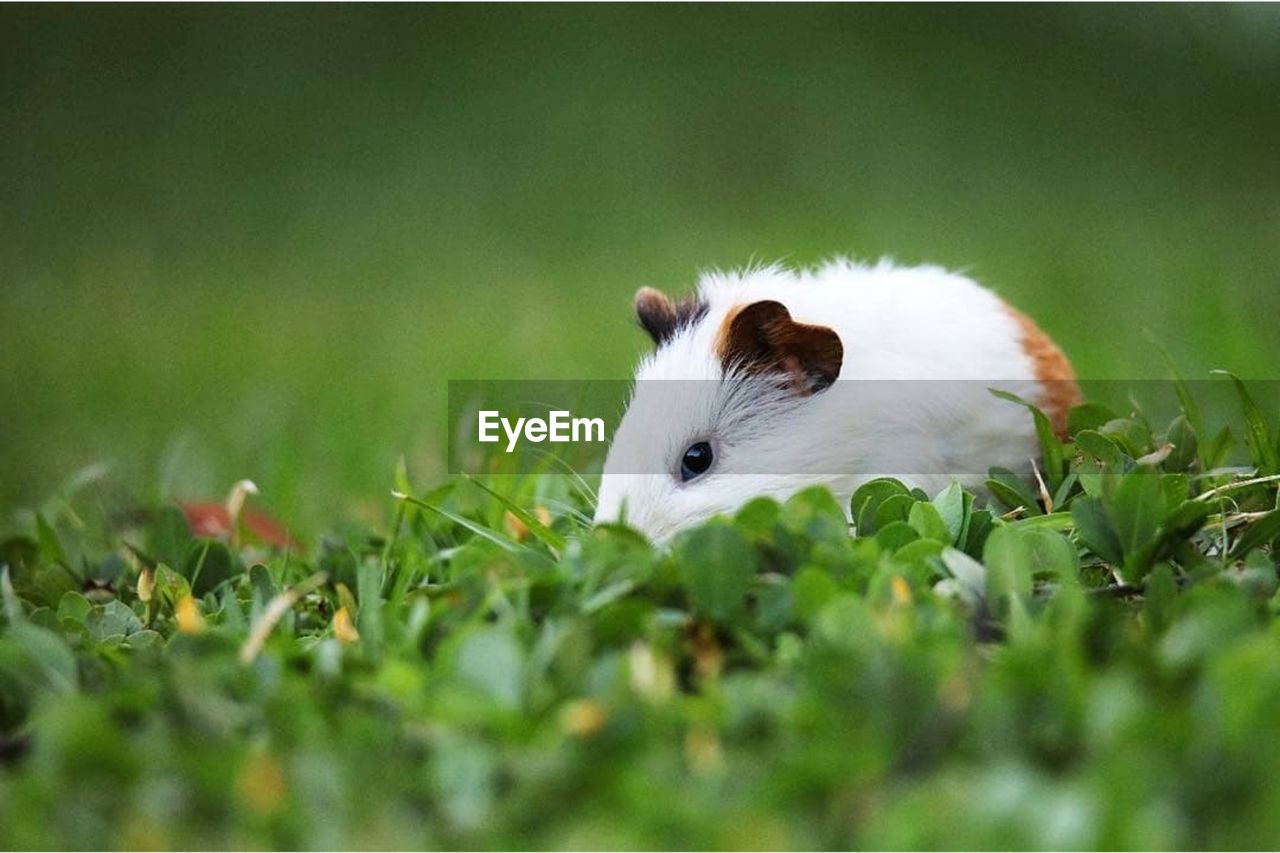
{"x": 769, "y": 380}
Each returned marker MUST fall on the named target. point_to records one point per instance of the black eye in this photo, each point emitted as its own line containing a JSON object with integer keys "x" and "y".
{"x": 697, "y": 459}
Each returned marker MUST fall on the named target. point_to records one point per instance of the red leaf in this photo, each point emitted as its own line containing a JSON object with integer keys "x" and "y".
{"x": 210, "y": 519}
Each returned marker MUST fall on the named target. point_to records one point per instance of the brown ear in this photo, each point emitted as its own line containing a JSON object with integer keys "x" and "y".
{"x": 761, "y": 338}
{"x": 661, "y": 317}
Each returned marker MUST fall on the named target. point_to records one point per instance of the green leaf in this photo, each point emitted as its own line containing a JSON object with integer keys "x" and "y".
{"x": 1013, "y": 491}
{"x": 1257, "y": 576}
{"x": 893, "y": 536}
{"x": 1174, "y": 488}
{"x": 74, "y": 608}
{"x": 369, "y": 594}
{"x": 1190, "y": 409}
{"x": 980, "y": 525}
{"x": 19, "y": 552}
{"x": 1218, "y": 449}
{"x": 1104, "y": 449}
{"x": 1184, "y": 520}
{"x": 1007, "y": 556}
{"x": 717, "y": 564}
{"x": 12, "y": 608}
{"x": 1260, "y": 532}
{"x": 811, "y": 590}
{"x": 491, "y": 660}
{"x": 170, "y": 587}
{"x": 207, "y": 564}
{"x": 544, "y": 534}
{"x": 815, "y": 516}
{"x": 145, "y": 639}
{"x": 1137, "y": 508}
{"x": 112, "y": 619}
{"x": 1088, "y": 416}
{"x": 919, "y": 552}
{"x": 968, "y": 575}
{"x": 401, "y": 477}
{"x": 927, "y": 521}
{"x": 894, "y": 509}
{"x": 1008, "y": 498}
{"x": 950, "y": 504}
{"x": 168, "y": 537}
{"x": 1159, "y": 593}
{"x": 41, "y": 655}
{"x": 264, "y": 586}
{"x": 1061, "y": 496}
{"x": 1185, "y": 445}
{"x": 1061, "y": 521}
{"x": 41, "y": 582}
{"x": 50, "y": 546}
{"x": 1262, "y": 449}
{"x": 1129, "y": 435}
{"x": 775, "y": 606}
{"x": 1096, "y": 530}
{"x": 1052, "y": 555}
{"x": 478, "y": 529}
{"x": 1051, "y": 451}
{"x": 868, "y": 498}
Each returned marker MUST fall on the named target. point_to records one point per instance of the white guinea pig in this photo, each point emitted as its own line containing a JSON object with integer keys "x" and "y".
{"x": 829, "y": 376}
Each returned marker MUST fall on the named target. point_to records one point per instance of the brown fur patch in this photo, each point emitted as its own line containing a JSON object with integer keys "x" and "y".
{"x": 1060, "y": 391}
{"x": 761, "y": 338}
{"x": 661, "y": 317}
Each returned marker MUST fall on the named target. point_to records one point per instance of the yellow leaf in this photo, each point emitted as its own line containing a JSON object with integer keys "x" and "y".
{"x": 347, "y": 600}
{"x": 190, "y": 621}
{"x": 901, "y": 592}
{"x": 582, "y": 718}
{"x": 146, "y": 584}
{"x": 343, "y": 628}
{"x": 514, "y": 527}
{"x": 261, "y": 784}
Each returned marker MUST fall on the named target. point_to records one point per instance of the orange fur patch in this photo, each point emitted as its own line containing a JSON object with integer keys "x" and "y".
{"x": 722, "y": 334}
{"x": 1060, "y": 391}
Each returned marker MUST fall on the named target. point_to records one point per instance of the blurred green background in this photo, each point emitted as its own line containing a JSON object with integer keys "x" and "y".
{"x": 248, "y": 241}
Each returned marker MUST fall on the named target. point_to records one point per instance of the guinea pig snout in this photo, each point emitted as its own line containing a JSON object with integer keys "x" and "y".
{"x": 619, "y": 500}
{"x": 608, "y": 504}
{"x": 631, "y": 499}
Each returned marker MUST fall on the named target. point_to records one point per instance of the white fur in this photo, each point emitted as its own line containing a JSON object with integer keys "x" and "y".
{"x": 895, "y": 323}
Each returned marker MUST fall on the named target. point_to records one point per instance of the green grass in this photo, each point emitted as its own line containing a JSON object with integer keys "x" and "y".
{"x": 259, "y": 241}
{"x": 1092, "y": 667}
{"x": 251, "y": 242}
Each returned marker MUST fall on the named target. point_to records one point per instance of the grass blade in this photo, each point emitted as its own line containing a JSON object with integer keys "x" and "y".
{"x": 1261, "y": 448}
{"x": 545, "y": 534}
{"x": 478, "y": 529}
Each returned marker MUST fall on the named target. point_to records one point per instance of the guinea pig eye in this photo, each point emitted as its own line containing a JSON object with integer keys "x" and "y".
{"x": 696, "y": 460}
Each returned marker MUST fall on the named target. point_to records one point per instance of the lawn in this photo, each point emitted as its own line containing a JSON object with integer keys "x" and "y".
{"x": 1090, "y": 664}
{"x": 257, "y": 242}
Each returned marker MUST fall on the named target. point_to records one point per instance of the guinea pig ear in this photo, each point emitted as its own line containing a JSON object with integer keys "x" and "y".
{"x": 656, "y": 314}
{"x": 762, "y": 339}
{"x": 661, "y": 317}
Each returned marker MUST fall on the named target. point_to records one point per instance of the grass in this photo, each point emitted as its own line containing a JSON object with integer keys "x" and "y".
{"x": 1091, "y": 665}
{"x": 258, "y": 242}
